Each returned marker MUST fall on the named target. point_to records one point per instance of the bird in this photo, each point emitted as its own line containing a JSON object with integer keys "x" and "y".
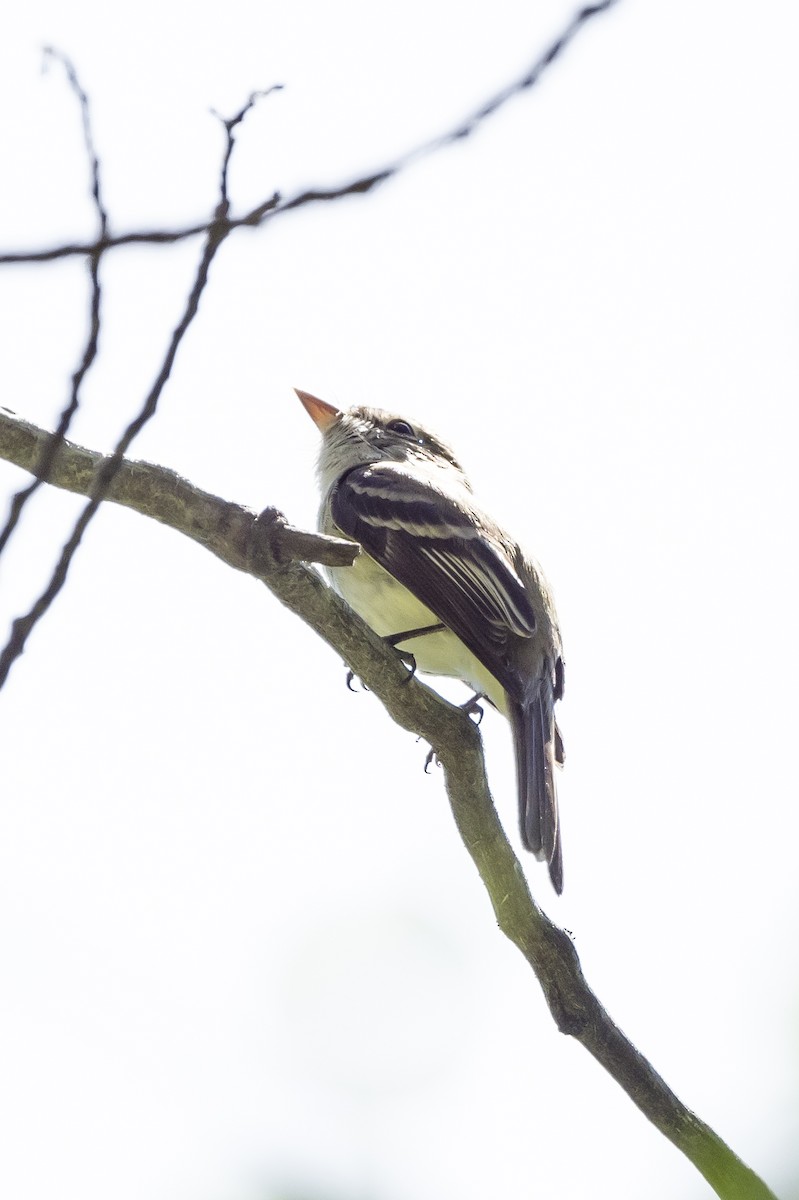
{"x": 443, "y": 582}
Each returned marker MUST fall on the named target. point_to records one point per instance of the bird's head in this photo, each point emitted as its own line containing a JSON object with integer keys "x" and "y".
{"x": 363, "y": 435}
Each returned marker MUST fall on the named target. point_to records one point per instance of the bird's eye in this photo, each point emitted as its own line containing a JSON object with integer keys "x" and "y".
{"x": 401, "y": 427}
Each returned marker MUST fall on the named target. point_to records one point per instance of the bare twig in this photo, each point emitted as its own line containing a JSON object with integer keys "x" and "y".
{"x": 19, "y": 501}
{"x": 363, "y": 184}
{"x": 216, "y": 234}
{"x": 230, "y": 124}
{"x": 244, "y": 542}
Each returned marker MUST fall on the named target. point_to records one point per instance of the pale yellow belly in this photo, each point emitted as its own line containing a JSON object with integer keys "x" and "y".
{"x": 390, "y": 608}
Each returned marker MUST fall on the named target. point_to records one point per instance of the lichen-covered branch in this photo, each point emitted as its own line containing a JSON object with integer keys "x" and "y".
{"x": 268, "y": 548}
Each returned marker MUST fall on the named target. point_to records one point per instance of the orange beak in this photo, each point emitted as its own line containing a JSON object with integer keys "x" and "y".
{"x": 321, "y": 413}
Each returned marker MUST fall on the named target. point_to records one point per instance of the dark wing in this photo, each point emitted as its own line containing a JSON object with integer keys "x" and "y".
{"x": 458, "y": 566}
{"x": 425, "y": 538}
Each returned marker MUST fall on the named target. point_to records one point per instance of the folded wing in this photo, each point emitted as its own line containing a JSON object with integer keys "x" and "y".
{"x": 457, "y": 567}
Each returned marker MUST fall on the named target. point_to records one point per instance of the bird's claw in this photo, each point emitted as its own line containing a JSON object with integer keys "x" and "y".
{"x": 430, "y": 758}
{"x": 472, "y": 708}
{"x": 350, "y": 677}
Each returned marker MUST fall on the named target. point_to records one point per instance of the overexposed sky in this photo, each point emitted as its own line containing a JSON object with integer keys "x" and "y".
{"x": 243, "y": 955}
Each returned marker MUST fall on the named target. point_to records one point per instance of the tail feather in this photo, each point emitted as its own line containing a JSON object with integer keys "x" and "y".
{"x": 538, "y": 746}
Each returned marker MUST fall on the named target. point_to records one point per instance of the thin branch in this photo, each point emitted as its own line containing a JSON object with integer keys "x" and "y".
{"x": 245, "y": 542}
{"x": 217, "y": 232}
{"x": 276, "y": 205}
{"x": 230, "y": 124}
{"x": 150, "y": 237}
{"x": 22, "y": 497}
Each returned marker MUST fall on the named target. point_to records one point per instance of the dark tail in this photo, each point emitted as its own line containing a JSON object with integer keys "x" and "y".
{"x": 538, "y": 747}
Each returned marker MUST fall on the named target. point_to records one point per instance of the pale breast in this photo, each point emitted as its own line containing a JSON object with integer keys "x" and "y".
{"x": 389, "y": 608}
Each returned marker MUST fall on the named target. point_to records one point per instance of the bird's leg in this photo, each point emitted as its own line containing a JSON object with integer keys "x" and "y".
{"x": 394, "y": 639}
{"x": 407, "y": 657}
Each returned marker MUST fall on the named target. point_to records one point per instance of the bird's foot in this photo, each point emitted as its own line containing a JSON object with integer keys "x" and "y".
{"x": 430, "y": 759}
{"x": 407, "y": 657}
{"x": 472, "y": 708}
{"x": 350, "y": 676}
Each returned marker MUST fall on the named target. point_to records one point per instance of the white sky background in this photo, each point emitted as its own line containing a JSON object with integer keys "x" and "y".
{"x": 244, "y": 954}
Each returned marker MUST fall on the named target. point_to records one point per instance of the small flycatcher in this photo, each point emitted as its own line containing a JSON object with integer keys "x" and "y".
{"x": 438, "y": 568}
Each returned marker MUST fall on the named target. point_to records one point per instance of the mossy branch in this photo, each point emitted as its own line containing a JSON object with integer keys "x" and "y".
{"x": 270, "y": 549}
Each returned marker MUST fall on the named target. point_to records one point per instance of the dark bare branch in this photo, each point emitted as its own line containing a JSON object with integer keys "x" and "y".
{"x": 230, "y": 124}
{"x": 275, "y": 205}
{"x": 90, "y": 350}
{"x": 217, "y": 232}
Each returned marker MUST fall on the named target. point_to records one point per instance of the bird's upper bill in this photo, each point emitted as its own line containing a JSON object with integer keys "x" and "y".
{"x": 321, "y": 413}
